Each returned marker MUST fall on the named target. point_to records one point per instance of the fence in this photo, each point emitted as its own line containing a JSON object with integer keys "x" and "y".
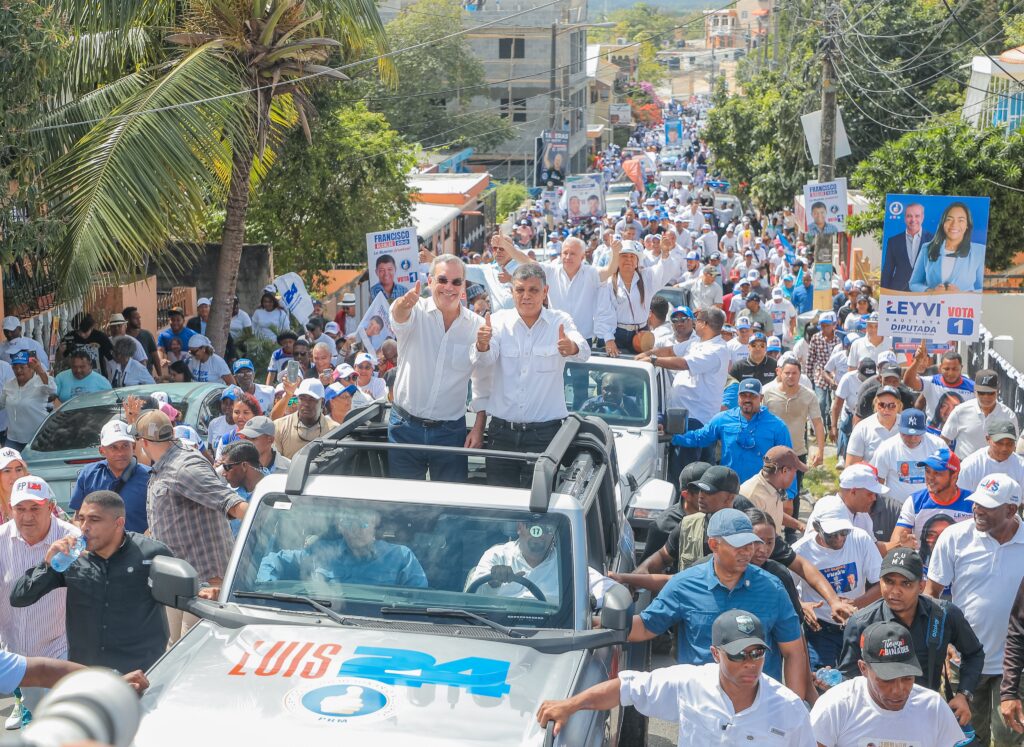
{"x": 981, "y": 354}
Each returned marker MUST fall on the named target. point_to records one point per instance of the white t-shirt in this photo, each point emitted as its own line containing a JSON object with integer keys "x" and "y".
{"x": 897, "y": 464}
{"x": 267, "y": 324}
{"x": 868, "y": 435}
{"x": 983, "y": 576}
{"x": 239, "y": 322}
{"x": 213, "y": 369}
{"x": 863, "y": 348}
{"x": 966, "y": 424}
{"x": 860, "y": 520}
{"x": 848, "y": 570}
{"x": 933, "y": 387}
{"x": 546, "y": 575}
{"x": 837, "y": 363}
{"x": 849, "y": 389}
{"x": 979, "y": 464}
{"x": 375, "y": 388}
{"x": 847, "y": 716}
{"x": 781, "y": 312}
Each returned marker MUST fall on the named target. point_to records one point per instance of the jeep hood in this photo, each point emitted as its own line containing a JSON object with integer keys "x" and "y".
{"x": 635, "y": 454}
{"x": 272, "y": 685}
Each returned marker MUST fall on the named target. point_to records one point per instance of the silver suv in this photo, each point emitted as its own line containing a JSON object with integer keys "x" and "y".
{"x": 378, "y": 610}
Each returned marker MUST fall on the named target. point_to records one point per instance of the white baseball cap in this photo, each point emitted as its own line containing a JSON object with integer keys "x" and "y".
{"x": 199, "y": 341}
{"x": 332, "y": 328}
{"x": 753, "y": 275}
{"x": 189, "y": 435}
{"x": 364, "y": 358}
{"x": 996, "y": 490}
{"x": 160, "y": 397}
{"x": 343, "y": 371}
{"x": 8, "y": 455}
{"x": 310, "y": 387}
{"x": 11, "y": 323}
{"x": 114, "y": 432}
{"x": 30, "y": 488}
{"x": 204, "y": 302}
{"x": 832, "y": 514}
{"x": 862, "y": 475}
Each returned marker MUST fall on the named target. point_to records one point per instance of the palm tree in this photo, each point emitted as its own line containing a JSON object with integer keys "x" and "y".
{"x": 197, "y": 120}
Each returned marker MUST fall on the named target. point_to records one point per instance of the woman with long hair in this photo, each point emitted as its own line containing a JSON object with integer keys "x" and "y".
{"x": 245, "y": 409}
{"x": 632, "y": 288}
{"x": 270, "y": 318}
{"x": 951, "y": 262}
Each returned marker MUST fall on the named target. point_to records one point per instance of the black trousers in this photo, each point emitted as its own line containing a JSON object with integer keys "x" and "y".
{"x": 502, "y": 437}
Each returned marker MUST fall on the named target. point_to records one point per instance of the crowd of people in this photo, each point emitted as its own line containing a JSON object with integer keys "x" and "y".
{"x": 888, "y": 606}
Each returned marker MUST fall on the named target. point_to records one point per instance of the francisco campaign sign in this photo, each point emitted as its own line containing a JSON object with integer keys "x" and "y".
{"x": 392, "y": 258}
{"x": 933, "y": 266}
{"x": 825, "y": 205}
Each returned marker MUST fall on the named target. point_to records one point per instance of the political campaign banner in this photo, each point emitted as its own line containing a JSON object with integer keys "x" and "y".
{"x": 375, "y": 326}
{"x": 673, "y": 133}
{"x": 933, "y": 266}
{"x": 583, "y": 197}
{"x": 551, "y": 165}
{"x": 620, "y": 114}
{"x": 825, "y": 207}
{"x": 393, "y": 260}
{"x": 294, "y": 296}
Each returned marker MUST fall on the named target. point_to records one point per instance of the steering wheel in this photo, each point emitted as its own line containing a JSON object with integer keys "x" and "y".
{"x": 522, "y": 581}
{"x": 607, "y": 408}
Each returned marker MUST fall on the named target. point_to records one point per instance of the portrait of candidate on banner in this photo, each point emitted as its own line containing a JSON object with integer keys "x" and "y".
{"x": 826, "y": 207}
{"x": 934, "y": 244}
{"x": 375, "y": 326}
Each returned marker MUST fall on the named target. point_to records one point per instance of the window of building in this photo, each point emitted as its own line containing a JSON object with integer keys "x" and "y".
{"x": 517, "y": 110}
{"x": 511, "y": 48}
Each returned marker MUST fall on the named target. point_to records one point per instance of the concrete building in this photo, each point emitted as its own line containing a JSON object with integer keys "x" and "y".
{"x": 519, "y": 42}
{"x": 995, "y": 95}
{"x": 744, "y": 25}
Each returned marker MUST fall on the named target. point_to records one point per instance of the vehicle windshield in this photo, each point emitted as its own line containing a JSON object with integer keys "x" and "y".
{"x": 616, "y": 394}
{"x": 71, "y": 428}
{"x": 360, "y": 557}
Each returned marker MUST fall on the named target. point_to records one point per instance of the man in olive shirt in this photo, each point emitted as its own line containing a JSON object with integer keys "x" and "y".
{"x": 112, "y": 619}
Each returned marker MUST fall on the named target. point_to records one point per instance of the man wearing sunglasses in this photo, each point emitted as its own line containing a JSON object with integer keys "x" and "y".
{"x": 849, "y": 561}
{"x": 729, "y": 700}
{"x": 438, "y": 339}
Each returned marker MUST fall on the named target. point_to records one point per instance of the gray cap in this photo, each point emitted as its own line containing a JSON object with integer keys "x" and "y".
{"x": 260, "y": 425}
{"x": 997, "y": 430}
{"x": 735, "y": 630}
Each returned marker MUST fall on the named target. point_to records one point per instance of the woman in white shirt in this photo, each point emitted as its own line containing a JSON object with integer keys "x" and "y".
{"x": 869, "y": 433}
{"x": 24, "y": 398}
{"x": 368, "y": 383}
{"x": 269, "y": 318}
{"x": 632, "y": 289}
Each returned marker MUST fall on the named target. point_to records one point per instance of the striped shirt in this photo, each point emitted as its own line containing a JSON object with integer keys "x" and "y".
{"x": 187, "y": 504}
{"x": 38, "y": 630}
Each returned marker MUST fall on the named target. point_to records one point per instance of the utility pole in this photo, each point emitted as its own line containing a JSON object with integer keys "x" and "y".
{"x": 551, "y": 80}
{"x": 825, "y": 259}
{"x": 776, "y": 13}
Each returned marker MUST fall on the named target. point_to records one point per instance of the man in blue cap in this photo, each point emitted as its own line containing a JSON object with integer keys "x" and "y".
{"x": 897, "y": 458}
{"x": 696, "y": 596}
{"x": 757, "y": 364}
{"x": 245, "y": 377}
{"x": 746, "y": 432}
{"x": 940, "y": 497}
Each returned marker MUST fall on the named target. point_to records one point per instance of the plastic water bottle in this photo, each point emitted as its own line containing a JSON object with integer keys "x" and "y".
{"x": 63, "y": 560}
{"x": 968, "y": 736}
{"x": 829, "y": 676}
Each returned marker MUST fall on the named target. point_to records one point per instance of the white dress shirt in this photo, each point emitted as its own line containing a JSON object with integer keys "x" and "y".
{"x": 583, "y": 298}
{"x": 133, "y": 374}
{"x": 526, "y": 384}
{"x": 26, "y": 406}
{"x": 699, "y": 388}
{"x": 966, "y": 425}
{"x": 979, "y": 465}
{"x": 546, "y": 575}
{"x": 693, "y": 697}
{"x": 628, "y": 306}
{"x": 435, "y": 365}
{"x": 913, "y": 247}
{"x": 37, "y": 630}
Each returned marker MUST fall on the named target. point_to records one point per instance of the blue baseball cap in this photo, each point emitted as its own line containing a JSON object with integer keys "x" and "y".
{"x": 942, "y": 460}
{"x": 913, "y": 422}
{"x": 684, "y": 310}
{"x": 774, "y": 343}
{"x": 750, "y": 386}
{"x": 693, "y": 257}
{"x": 335, "y": 390}
{"x": 231, "y": 392}
{"x": 732, "y": 526}
{"x": 242, "y": 363}
{"x": 850, "y": 338}
{"x": 790, "y": 278}
{"x": 828, "y": 317}
{"x": 743, "y": 323}
{"x": 759, "y": 336}
{"x": 22, "y": 357}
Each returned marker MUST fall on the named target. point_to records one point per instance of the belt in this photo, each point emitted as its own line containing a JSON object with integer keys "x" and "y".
{"x": 631, "y": 327}
{"x": 405, "y": 415}
{"x": 524, "y": 426}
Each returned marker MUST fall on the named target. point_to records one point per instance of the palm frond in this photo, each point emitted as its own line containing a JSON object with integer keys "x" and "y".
{"x": 99, "y": 56}
{"x": 357, "y": 24}
{"x": 143, "y": 174}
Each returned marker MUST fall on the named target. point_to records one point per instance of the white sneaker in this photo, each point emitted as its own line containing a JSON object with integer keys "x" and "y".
{"x": 13, "y": 721}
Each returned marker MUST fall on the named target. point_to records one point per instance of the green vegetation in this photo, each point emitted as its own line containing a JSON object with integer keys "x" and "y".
{"x": 510, "y": 196}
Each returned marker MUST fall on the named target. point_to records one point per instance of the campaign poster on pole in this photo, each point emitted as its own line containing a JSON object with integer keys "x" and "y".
{"x": 620, "y": 114}
{"x": 375, "y": 326}
{"x": 552, "y": 162}
{"x": 933, "y": 266}
{"x": 294, "y": 296}
{"x": 825, "y": 207}
{"x": 673, "y": 133}
{"x": 393, "y": 260}
{"x": 584, "y": 197}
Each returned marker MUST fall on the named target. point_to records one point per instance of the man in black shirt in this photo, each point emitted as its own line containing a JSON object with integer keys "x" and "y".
{"x": 933, "y": 624}
{"x": 112, "y": 619}
{"x": 757, "y": 364}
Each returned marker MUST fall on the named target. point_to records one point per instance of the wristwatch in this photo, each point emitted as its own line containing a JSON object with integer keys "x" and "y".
{"x": 654, "y": 359}
{"x": 969, "y": 695}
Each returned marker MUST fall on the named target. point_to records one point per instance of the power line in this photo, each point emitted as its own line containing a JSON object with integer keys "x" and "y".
{"x": 980, "y": 48}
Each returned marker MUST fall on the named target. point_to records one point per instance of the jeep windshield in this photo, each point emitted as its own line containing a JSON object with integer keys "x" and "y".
{"x": 373, "y": 558}
{"x": 619, "y": 395}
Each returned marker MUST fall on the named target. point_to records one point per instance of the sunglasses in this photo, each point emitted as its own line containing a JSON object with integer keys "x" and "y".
{"x": 756, "y": 655}
{"x": 442, "y": 280}
{"x": 229, "y": 465}
{"x": 828, "y": 536}
{"x": 887, "y": 405}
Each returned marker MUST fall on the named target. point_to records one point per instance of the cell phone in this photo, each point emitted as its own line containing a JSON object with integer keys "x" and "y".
{"x": 292, "y": 371}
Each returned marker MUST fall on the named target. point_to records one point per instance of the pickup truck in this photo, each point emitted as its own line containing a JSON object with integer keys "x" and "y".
{"x": 362, "y": 609}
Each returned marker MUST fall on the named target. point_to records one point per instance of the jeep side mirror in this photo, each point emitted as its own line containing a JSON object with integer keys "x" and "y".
{"x": 676, "y": 419}
{"x": 617, "y": 612}
{"x": 173, "y": 581}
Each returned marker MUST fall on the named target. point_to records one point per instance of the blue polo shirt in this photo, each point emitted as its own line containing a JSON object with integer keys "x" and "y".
{"x": 744, "y": 442}
{"x": 803, "y": 298}
{"x": 695, "y": 597}
{"x": 164, "y": 340}
{"x": 97, "y": 476}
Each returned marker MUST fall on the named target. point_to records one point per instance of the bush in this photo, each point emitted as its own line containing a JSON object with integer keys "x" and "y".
{"x": 510, "y": 196}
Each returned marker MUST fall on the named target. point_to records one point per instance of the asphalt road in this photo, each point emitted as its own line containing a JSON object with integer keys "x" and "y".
{"x": 662, "y": 733}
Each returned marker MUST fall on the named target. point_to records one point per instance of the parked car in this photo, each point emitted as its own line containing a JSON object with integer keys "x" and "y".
{"x": 69, "y": 438}
{"x": 441, "y": 653}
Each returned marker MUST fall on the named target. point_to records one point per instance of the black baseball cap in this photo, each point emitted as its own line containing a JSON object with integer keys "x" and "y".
{"x": 986, "y": 381}
{"x": 718, "y": 478}
{"x": 888, "y": 369}
{"x": 904, "y": 561}
{"x": 888, "y": 649}
{"x": 866, "y": 368}
{"x": 735, "y": 630}
{"x": 691, "y": 473}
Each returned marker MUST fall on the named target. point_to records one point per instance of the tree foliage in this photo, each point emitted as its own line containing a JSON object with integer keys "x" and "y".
{"x": 952, "y": 159}
{"x": 321, "y": 199}
{"x": 510, "y": 196}
{"x": 445, "y": 65}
